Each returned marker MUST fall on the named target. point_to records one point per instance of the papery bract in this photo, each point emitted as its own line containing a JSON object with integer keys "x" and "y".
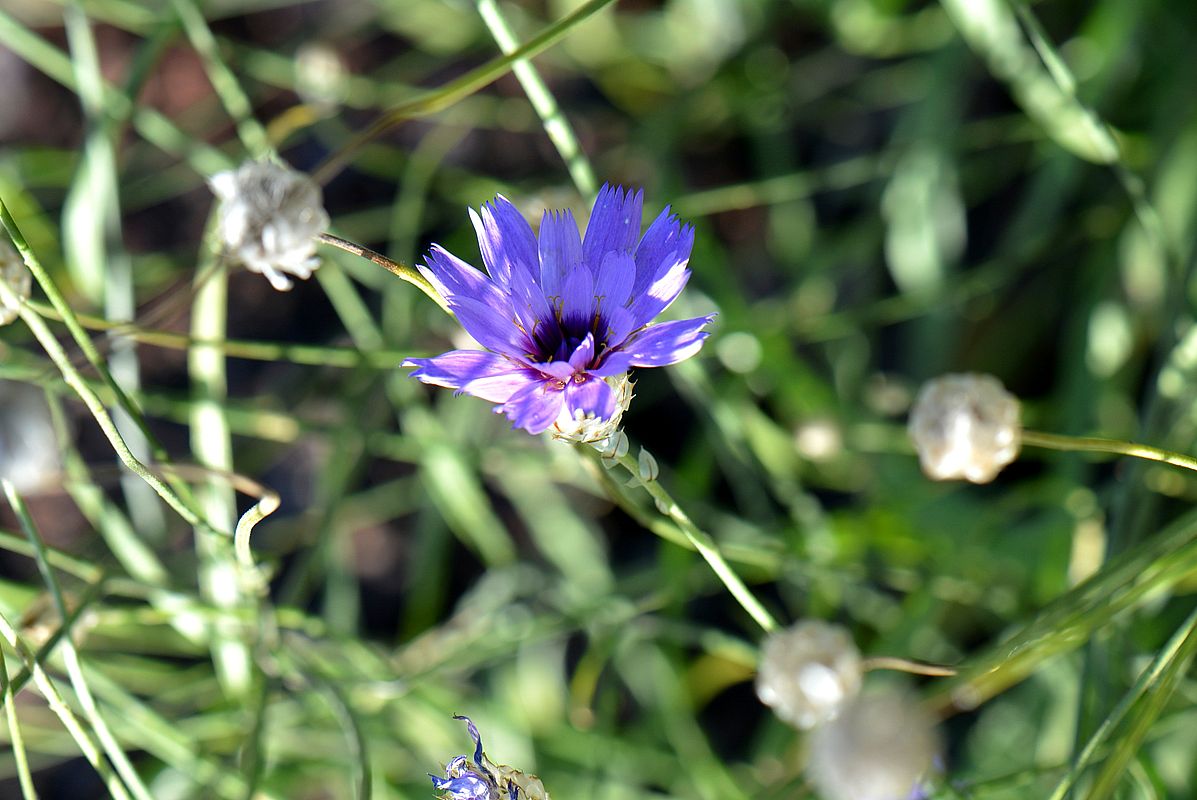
{"x": 268, "y": 220}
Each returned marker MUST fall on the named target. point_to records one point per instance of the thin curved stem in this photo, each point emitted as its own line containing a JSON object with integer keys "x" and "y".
{"x": 75, "y": 380}
{"x": 1117, "y": 447}
{"x": 905, "y": 665}
{"x": 407, "y": 273}
{"x": 268, "y": 501}
{"x": 700, "y": 540}
{"x": 439, "y": 99}
{"x": 559, "y": 131}
{"x": 70, "y": 655}
{"x": 54, "y": 699}
{"x": 310, "y": 355}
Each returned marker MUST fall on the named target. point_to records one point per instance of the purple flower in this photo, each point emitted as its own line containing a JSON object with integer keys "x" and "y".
{"x": 564, "y": 317}
{"x": 467, "y": 786}
{"x": 481, "y": 779}
{"x": 465, "y": 779}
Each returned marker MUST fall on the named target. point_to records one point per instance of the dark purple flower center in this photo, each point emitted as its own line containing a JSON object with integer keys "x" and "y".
{"x": 556, "y": 339}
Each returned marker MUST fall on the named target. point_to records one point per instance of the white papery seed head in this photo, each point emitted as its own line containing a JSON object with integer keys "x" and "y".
{"x": 28, "y": 446}
{"x": 269, "y": 218}
{"x": 965, "y": 426}
{"x": 880, "y": 747}
{"x": 808, "y": 672}
{"x": 16, "y": 276}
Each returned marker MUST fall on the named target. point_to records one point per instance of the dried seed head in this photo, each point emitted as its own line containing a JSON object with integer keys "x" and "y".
{"x": 269, "y": 218}
{"x": 965, "y": 426}
{"x": 28, "y": 446}
{"x": 881, "y": 747}
{"x": 808, "y": 672}
{"x": 16, "y": 276}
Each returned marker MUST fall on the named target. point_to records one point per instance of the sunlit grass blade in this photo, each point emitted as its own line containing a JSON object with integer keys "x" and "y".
{"x": 1065, "y": 624}
{"x": 70, "y": 656}
{"x": 219, "y": 575}
{"x": 16, "y": 739}
{"x": 990, "y": 28}
{"x": 1135, "y": 713}
{"x": 439, "y": 99}
{"x": 556, "y": 126}
{"x": 58, "y": 705}
{"x": 1147, "y": 700}
{"x": 228, "y": 88}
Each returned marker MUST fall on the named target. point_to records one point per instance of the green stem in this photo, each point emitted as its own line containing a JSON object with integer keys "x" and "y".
{"x": 211, "y": 441}
{"x": 560, "y": 132}
{"x": 24, "y": 776}
{"x": 703, "y": 543}
{"x": 407, "y": 273}
{"x": 310, "y": 355}
{"x": 439, "y": 99}
{"x": 70, "y": 655}
{"x": 224, "y": 82}
{"x": 59, "y": 706}
{"x": 1178, "y": 650}
{"x": 1118, "y": 447}
{"x": 72, "y": 376}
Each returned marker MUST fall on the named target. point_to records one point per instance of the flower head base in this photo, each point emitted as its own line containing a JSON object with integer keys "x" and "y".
{"x": 564, "y": 317}
{"x": 15, "y": 275}
{"x": 586, "y": 428}
{"x": 808, "y": 672}
{"x": 880, "y": 747}
{"x": 482, "y": 779}
{"x": 269, "y": 218}
{"x": 965, "y": 426}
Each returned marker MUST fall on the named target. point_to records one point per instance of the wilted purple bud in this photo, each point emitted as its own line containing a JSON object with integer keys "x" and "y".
{"x": 469, "y": 786}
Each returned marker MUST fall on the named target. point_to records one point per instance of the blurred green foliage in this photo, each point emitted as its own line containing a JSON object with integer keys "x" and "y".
{"x": 883, "y": 191}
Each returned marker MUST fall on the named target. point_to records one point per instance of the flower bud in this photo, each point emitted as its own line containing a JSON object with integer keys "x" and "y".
{"x": 965, "y": 426}
{"x": 808, "y": 672}
{"x": 269, "y": 218}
